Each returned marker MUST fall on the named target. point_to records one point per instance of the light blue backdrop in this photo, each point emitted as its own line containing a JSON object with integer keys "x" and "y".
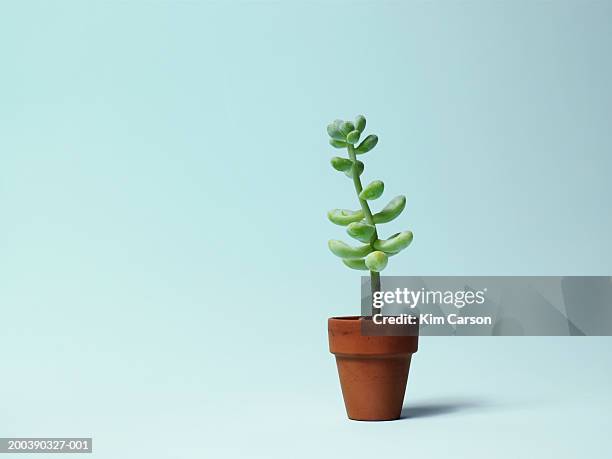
{"x": 164, "y": 178}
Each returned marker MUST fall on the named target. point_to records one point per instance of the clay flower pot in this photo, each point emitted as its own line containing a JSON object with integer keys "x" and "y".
{"x": 373, "y": 370}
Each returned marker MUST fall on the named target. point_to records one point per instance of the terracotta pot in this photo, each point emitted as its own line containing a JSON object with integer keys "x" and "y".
{"x": 373, "y": 370}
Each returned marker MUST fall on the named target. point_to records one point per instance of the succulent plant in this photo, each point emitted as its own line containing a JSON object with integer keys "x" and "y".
{"x": 373, "y": 254}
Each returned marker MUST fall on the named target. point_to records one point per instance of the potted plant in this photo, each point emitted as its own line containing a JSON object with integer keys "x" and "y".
{"x": 373, "y": 368}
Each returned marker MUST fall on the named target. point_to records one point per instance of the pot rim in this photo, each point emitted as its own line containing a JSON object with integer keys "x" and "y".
{"x": 349, "y": 318}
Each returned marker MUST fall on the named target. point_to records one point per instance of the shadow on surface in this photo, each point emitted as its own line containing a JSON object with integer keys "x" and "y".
{"x": 429, "y": 409}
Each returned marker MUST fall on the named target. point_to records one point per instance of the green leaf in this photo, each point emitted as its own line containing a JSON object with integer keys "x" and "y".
{"x": 376, "y": 261}
{"x": 353, "y": 137}
{"x": 395, "y": 243}
{"x": 337, "y": 143}
{"x": 361, "y": 231}
{"x": 360, "y": 123}
{"x": 333, "y": 130}
{"x": 346, "y": 127}
{"x": 356, "y": 264}
{"x": 359, "y": 165}
{"x": 344, "y": 217}
{"x": 343, "y": 250}
{"x": 368, "y": 143}
{"x": 341, "y": 164}
{"x": 391, "y": 210}
{"x": 374, "y": 190}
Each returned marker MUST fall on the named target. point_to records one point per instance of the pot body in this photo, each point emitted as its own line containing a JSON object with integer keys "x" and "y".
{"x": 373, "y": 370}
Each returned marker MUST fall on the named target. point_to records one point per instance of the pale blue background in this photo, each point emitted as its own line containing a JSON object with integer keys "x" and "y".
{"x": 164, "y": 179}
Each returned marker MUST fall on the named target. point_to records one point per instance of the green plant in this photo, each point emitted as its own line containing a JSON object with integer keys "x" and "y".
{"x": 373, "y": 253}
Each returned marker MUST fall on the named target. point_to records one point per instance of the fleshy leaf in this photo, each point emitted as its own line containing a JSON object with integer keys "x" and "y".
{"x": 367, "y": 144}
{"x": 374, "y": 190}
{"x": 356, "y": 264}
{"x": 376, "y": 261}
{"x": 360, "y": 167}
{"x": 343, "y": 250}
{"x": 360, "y": 123}
{"x": 361, "y": 231}
{"x": 337, "y": 143}
{"x": 391, "y": 210}
{"x": 343, "y": 217}
{"x": 353, "y": 137}
{"x": 333, "y": 130}
{"x": 346, "y": 127}
{"x": 341, "y": 164}
{"x": 395, "y": 243}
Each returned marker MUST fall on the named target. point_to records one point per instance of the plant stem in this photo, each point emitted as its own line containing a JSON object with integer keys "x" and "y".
{"x": 365, "y": 207}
